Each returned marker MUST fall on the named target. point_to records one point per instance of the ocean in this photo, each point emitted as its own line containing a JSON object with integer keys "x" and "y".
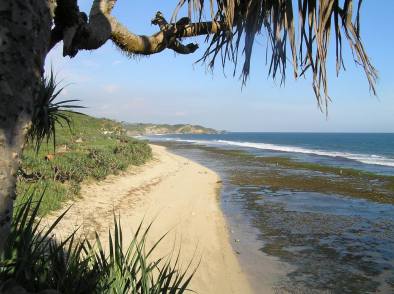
{"x": 320, "y": 206}
{"x": 368, "y": 151}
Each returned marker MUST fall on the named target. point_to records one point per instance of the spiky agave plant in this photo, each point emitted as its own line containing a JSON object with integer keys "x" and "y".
{"x": 47, "y": 113}
{"x": 34, "y": 260}
{"x": 134, "y": 270}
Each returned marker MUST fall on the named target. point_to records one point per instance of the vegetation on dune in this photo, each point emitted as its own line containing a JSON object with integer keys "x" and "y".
{"x": 33, "y": 261}
{"x": 32, "y": 258}
{"x": 93, "y": 149}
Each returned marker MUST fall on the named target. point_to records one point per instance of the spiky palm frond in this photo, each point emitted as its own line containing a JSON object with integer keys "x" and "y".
{"x": 47, "y": 112}
{"x": 34, "y": 259}
{"x": 133, "y": 270}
{"x": 317, "y": 20}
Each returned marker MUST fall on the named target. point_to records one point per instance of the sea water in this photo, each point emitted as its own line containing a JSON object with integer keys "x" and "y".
{"x": 368, "y": 151}
{"x": 324, "y": 242}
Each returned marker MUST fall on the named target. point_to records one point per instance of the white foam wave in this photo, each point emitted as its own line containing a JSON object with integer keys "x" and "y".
{"x": 363, "y": 158}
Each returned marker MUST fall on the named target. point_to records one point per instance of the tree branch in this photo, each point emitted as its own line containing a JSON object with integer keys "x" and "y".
{"x": 168, "y": 37}
{"x": 79, "y": 33}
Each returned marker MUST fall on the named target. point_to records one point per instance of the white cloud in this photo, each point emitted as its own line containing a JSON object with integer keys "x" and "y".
{"x": 111, "y": 88}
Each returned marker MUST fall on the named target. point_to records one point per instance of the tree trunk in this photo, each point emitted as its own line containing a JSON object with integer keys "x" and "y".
{"x": 24, "y": 40}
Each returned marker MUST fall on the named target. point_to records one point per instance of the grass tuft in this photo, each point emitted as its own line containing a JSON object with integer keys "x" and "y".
{"x": 35, "y": 260}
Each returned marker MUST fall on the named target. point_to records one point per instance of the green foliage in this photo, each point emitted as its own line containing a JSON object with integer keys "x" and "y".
{"x": 32, "y": 258}
{"x": 47, "y": 113}
{"x": 94, "y": 149}
{"x": 133, "y": 270}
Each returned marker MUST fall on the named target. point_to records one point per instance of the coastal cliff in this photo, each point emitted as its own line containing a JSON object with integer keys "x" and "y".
{"x": 155, "y": 129}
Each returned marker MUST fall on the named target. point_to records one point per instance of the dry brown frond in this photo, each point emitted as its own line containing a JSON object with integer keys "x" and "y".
{"x": 317, "y": 20}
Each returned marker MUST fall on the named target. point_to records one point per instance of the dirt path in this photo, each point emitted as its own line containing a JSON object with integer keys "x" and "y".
{"x": 181, "y": 197}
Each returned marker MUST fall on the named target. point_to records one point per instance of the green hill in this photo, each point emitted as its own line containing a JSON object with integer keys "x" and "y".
{"x": 93, "y": 149}
{"x": 154, "y": 129}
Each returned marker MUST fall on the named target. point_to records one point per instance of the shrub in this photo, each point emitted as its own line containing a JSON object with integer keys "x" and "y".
{"x": 36, "y": 261}
{"x": 94, "y": 149}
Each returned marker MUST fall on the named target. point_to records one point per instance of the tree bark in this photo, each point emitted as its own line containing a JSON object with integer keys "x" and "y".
{"x": 79, "y": 32}
{"x": 24, "y": 40}
{"x": 26, "y": 36}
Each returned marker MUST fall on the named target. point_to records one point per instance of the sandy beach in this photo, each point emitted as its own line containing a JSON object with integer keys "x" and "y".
{"x": 181, "y": 197}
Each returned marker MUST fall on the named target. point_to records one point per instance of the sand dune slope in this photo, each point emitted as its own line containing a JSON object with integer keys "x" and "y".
{"x": 181, "y": 196}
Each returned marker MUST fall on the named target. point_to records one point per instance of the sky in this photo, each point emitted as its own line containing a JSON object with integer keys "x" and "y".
{"x": 170, "y": 88}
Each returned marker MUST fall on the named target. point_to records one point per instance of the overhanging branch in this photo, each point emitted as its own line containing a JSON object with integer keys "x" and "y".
{"x": 82, "y": 33}
{"x": 169, "y": 36}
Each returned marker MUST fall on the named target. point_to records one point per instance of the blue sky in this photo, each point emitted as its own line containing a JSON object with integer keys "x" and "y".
{"x": 169, "y": 88}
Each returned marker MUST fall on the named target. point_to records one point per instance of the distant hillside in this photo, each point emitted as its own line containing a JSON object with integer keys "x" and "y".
{"x": 154, "y": 129}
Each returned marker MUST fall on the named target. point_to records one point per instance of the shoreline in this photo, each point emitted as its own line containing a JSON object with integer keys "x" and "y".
{"x": 180, "y": 196}
{"x": 299, "y": 240}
